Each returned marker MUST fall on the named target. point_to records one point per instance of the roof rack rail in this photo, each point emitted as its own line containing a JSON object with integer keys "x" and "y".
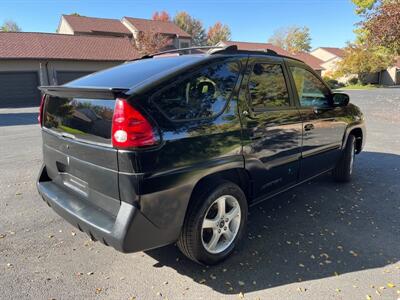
{"x": 184, "y": 49}
{"x": 255, "y": 51}
{"x": 226, "y": 49}
{"x": 211, "y": 50}
{"x": 270, "y": 51}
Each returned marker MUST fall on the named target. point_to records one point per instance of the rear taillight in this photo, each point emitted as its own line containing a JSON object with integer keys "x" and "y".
{"x": 130, "y": 129}
{"x": 40, "y": 115}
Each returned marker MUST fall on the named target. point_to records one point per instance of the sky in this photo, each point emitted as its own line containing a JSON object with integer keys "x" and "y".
{"x": 331, "y": 22}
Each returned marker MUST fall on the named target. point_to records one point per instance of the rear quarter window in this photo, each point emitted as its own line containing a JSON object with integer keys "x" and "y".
{"x": 201, "y": 95}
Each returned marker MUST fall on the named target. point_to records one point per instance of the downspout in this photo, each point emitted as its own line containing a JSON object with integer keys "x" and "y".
{"x": 47, "y": 71}
{"x": 44, "y": 73}
{"x": 379, "y": 77}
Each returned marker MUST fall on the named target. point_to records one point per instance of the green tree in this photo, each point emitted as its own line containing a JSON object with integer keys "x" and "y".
{"x": 192, "y": 26}
{"x": 293, "y": 39}
{"x": 363, "y": 5}
{"x": 75, "y": 14}
{"x": 361, "y": 60}
{"x": 10, "y": 26}
{"x": 217, "y": 33}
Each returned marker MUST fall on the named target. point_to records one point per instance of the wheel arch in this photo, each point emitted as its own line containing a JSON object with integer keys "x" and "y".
{"x": 239, "y": 176}
{"x": 359, "y": 133}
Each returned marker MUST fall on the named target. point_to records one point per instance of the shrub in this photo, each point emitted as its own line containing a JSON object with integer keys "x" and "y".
{"x": 353, "y": 81}
{"x": 333, "y": 83}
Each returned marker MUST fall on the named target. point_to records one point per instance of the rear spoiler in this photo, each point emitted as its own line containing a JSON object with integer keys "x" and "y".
{"x": 83, "y": 92}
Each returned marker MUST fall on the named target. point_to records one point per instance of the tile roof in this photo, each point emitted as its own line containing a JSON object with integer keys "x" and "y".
{"x": 256, "y": 46}
{"x": 157, "y": 26}
{"x": 309, "y": 59}
{"x": 336, "y": 51}
{"x": 34, "y": 45}
{"x": 91, "y": 25}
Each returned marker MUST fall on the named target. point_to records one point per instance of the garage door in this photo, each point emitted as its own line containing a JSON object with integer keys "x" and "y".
{"x": 66, "y": 76}
{"x": 19, "y": 89}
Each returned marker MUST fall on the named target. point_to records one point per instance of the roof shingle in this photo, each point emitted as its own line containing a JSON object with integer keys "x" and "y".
{"x": 336, "y": 51}
{"x": 34, "y": 45}
{"x": 80, "y": 24}
{"x": 309, "y": 59}
{"x": 164, "y": 27}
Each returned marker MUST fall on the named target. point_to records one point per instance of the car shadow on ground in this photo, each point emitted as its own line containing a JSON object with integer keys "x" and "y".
{"x": 316, "y": 230}
{"x": 12, "y": 119}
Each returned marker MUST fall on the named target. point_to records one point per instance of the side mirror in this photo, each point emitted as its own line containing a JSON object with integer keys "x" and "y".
{"x": 340, "y": 99}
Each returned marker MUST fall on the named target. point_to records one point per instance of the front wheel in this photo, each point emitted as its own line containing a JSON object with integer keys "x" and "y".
{"x": 214, "y": 224}
{"x": 344, "y": 169}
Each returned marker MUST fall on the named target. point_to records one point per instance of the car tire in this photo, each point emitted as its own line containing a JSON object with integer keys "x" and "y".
{"x": 344, "y": 169}
{"x": 214, "y": 224}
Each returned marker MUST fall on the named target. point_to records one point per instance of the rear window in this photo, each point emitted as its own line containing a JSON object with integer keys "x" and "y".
{"x": 132, "y": 73}
{"x": 82, "y": 119}
{"x": 201, "y": 95}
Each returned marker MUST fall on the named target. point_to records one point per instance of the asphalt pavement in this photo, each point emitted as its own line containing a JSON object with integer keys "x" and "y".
{"x": 321, "y": 240}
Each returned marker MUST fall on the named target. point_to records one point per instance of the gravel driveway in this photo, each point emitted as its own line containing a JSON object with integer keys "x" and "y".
{"x": 322, "y": 240}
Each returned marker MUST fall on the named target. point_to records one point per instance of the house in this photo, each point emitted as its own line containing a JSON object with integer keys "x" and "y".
{"x": 80, "y": 25}
{"x": 127, "y": 27}
{"x": 329, "y": 56}
{"x": 391, "y": 76}
{"x": 312, "y": 61}
{"x": 31, "y": 59}
{"x": 82, "y": 45}
{"x": 180, "y": 38}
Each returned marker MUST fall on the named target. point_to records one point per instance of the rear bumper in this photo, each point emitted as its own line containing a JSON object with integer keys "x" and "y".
{"x": 128, "y": 231}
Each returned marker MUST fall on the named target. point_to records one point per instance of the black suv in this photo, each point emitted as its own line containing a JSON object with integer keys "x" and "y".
{"x": 175, "y": 148}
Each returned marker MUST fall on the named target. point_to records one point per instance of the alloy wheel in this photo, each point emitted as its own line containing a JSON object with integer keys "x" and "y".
{"x": 221, "y": 224}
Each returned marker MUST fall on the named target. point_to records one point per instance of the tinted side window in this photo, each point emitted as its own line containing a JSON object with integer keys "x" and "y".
{"x": 311, "y": 91}
{"x": 267, "y": 86}
{"x": 202, "y": 95}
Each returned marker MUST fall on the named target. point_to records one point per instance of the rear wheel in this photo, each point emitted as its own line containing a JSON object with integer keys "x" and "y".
{"x": 344, "y": 169}
{"x": 214, "y": 224}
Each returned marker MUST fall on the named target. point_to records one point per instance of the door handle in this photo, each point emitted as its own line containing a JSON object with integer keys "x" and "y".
{"x": 308, "y": 127}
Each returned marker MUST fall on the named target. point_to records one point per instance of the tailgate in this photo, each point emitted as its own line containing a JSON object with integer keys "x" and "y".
{"x": 77, "y": 150}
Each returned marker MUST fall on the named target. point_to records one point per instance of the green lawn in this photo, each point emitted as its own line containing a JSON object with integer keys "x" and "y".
{"x": 70, "y": 130}
{"x": 359, "y": 87}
